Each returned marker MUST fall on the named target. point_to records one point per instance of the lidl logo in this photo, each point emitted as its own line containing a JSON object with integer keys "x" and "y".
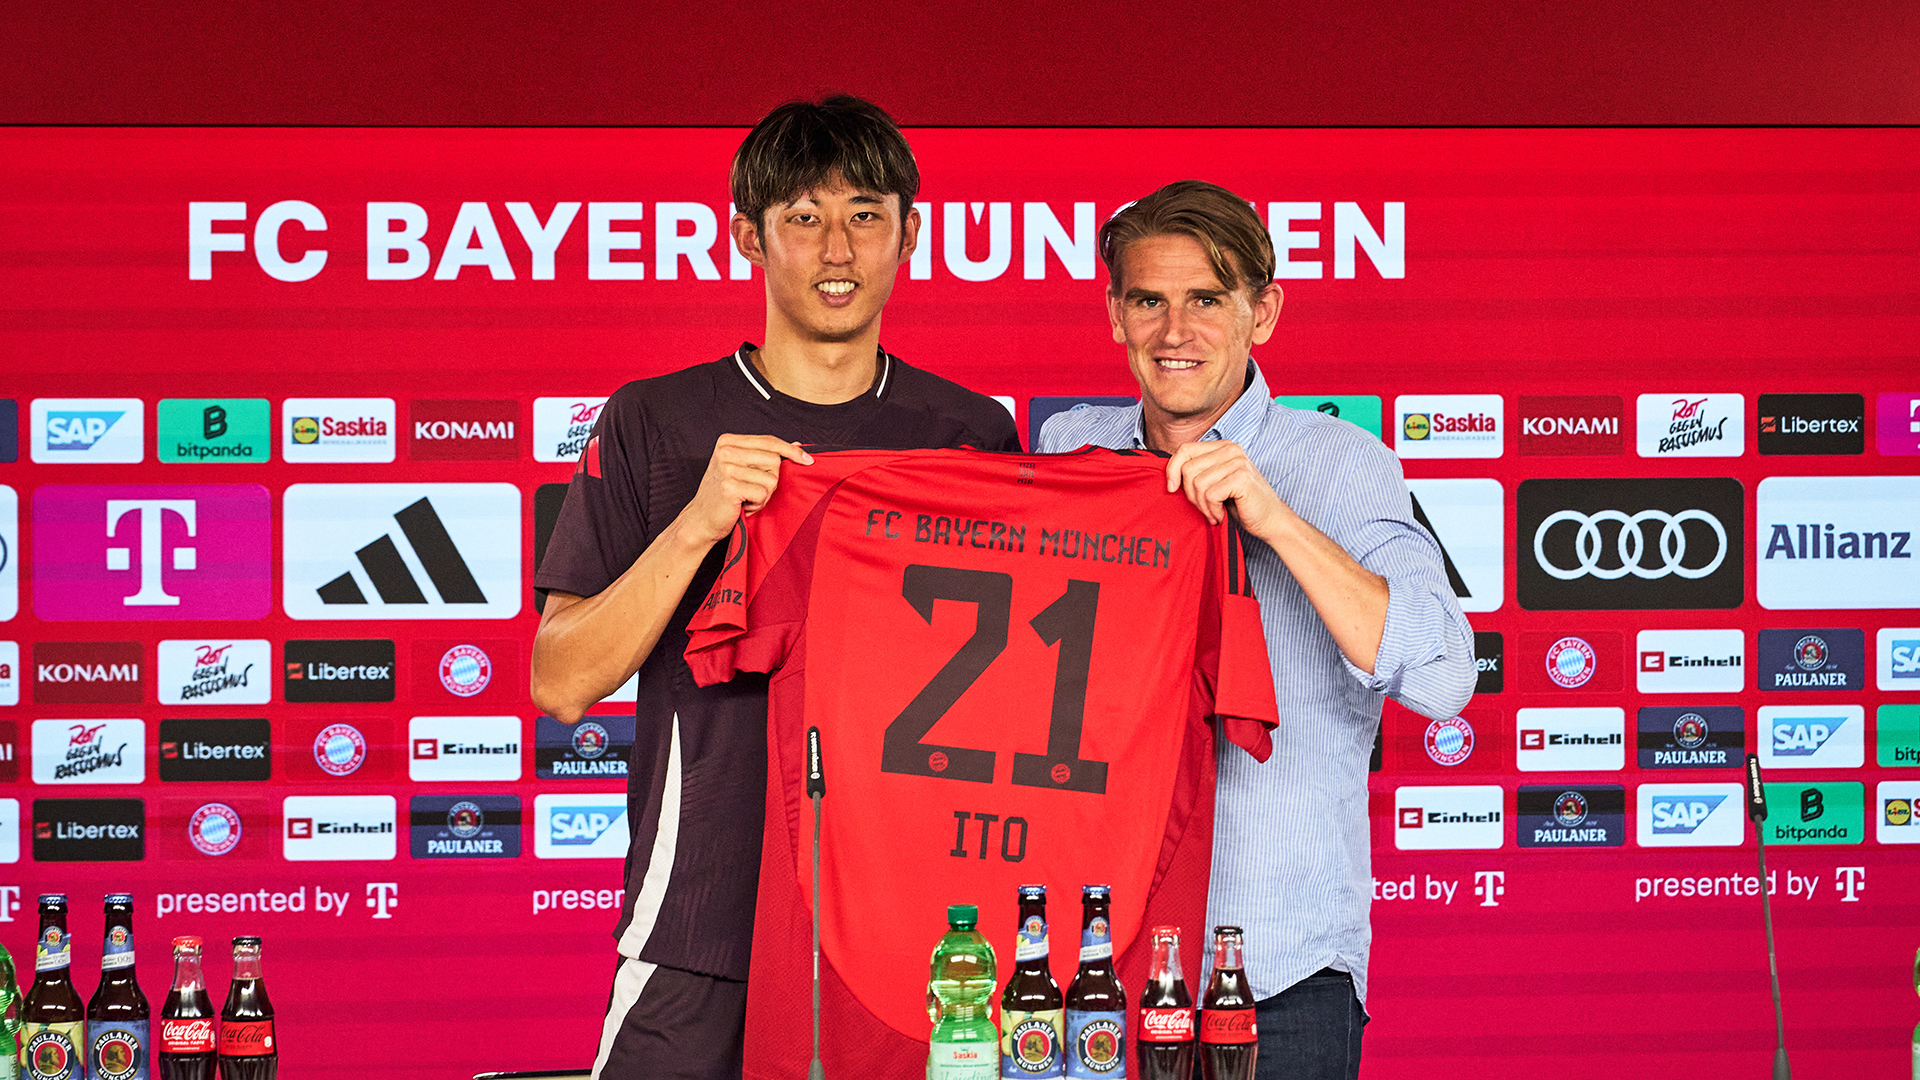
{"x": 1897, "y": 821}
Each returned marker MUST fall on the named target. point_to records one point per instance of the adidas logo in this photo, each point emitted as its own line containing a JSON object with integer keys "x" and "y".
{"x": 402, "y": 551}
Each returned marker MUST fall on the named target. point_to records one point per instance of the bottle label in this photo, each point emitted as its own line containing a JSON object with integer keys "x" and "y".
{"x": 1096, "y": 1045}
{"x": 1031, "y": 941}
{"x": 1096, "y": 940}
{"x": 52, "y": 1051}
{"x": 53, "y": 951}
{"x": 246, "y": 1038}
{"x": 969, "y": 1060}
{"x": 1166, "y": 1025}
{"x": 117, "y": 953}
{"x": 191, "y": 1036}
{"x": 1030, "y": 1043}
{"x": 117, "y": 1049}
{"x": 1227, "y": 1026}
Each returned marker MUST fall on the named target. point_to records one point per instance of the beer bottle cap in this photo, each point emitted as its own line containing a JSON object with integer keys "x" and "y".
{"x": 120, "y": 898}
{"x": 959, "y": 916}
{"x": 53, "y": 898}
{"x": 253, "y": 941}
{"x": 1097, "y": 892}
{"x": 1032, "y": 892}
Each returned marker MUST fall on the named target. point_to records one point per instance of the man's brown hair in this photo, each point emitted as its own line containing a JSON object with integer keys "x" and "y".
{"x": 801, "y": 146}
{"x": 1236, "y": 241}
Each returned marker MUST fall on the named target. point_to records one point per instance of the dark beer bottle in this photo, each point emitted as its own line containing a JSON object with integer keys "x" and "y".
{"x": 247, "y": 1047}
{"x": 188, "y": 1046}
{"x": 1096, "y": 1046}
{"x": 118, "y": 1015}
{"x": 53, "y": 1022}
{"x": 1032, "y": 1023}
{"x": 1164, "y": 1042}
{"x": 1229, "y": 1042}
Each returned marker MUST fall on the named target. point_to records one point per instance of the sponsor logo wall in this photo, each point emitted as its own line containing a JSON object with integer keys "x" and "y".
{"x": 271, "y": 603}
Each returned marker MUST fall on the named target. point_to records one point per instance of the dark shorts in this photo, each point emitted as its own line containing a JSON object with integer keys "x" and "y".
{"x": 671, "y": 1024}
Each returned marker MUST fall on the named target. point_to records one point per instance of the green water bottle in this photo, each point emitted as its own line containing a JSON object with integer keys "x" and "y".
{"x": 965, "y": 1044}
{"x": 9, "y": 1018}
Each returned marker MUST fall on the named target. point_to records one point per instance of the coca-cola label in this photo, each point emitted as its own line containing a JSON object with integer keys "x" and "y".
{"x": 1227, "y": 1026}
{"x": 1030, "y": 943}
{"x": 117, "y": 1050}
{"x": 193, "y": 1036}
{"x": 1166, "y": 1025}
{"x": 246, "y": 1038}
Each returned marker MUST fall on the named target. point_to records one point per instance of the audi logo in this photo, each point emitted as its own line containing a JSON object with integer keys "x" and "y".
{"x": 1631, "y": 544}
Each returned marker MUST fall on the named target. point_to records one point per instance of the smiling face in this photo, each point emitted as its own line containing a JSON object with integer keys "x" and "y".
{"x": 1187, "y": 335}
{"x": 830, "y": 256}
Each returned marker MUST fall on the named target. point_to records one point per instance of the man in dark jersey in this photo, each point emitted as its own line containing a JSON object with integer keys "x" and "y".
{"x": 825, "y": 199}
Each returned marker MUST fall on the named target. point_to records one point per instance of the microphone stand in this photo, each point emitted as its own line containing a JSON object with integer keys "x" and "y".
{"x": 1757, "y": 811}
{"x": 817, "y": 790}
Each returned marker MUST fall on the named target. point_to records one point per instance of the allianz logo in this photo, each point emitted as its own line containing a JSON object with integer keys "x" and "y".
{"x": 462, "y": 429}
{"x": 1823, "y": 541}
{"x": 1570, "y": 425}
{"x": 1683, "y": 814}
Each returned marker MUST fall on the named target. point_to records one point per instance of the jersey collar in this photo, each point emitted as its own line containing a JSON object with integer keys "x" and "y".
{"x": 879, "y": 389}
{"x": 1240, "y": 423}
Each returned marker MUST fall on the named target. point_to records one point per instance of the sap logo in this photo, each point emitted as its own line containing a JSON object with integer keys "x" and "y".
{"x": 1905, "y": 659}
{"x": 1682, "y": 816}
{"x": 89, "y": 430}
{"x": 579, "y": 825}
{"x": 78, "y": 430}
{"x": 1804, "y": 740}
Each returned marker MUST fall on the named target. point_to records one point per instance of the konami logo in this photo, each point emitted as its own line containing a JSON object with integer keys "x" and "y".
{"x": 1566, "y": 426}
{"x": 71, "y": 672}
{"x": 463, "y": 430}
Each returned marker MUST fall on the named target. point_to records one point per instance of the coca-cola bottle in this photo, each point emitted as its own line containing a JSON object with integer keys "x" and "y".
{"x": 1164, "y": 1042}
{"x": 118, "y": 1015}
{"x": 1032, "y": 1023}
{"x": 247, "y": 1047}
{"x": 188, "y": 1047}
{"x": 53, "y": 1022}
{"x": 1096, "y": 1002}
{"x": 1229, "y": 1042}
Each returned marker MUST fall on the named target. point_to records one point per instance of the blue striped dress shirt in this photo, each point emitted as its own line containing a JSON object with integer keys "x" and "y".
{"x": 1292, "y": 860}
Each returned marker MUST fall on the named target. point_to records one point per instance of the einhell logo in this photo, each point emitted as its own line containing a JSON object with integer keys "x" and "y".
{"x": 324, "y": 671}
{"x": 327, "y": 828}
{"x": 464, "y": 748}
{"x": 1569, "y": 426}
{"x": 87, "y": 672}
{"x": 463, "y": 430}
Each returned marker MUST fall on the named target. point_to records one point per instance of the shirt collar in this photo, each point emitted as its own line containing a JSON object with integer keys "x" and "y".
{"x": 1240, "y": 423}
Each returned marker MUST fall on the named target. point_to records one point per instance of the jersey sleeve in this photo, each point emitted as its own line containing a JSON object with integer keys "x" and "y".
{"x": 1243, "y": 697}
{"x": 603, "y": 523}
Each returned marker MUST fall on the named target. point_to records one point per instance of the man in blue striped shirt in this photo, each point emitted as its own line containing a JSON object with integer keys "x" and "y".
{"x": 1353, "y": 597}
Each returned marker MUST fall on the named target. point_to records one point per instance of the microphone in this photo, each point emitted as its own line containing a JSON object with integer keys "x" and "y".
{"x": 816, "y": 790}
{"x": 1757, "y": 811}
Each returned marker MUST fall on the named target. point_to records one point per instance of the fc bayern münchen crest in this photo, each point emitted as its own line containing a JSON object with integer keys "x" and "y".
{"x": 1450, "y": 741}
{"x": 214, "y": 829}
{"x": 339, "y": 749}
{"x": 1570, "y": 662}
{"x": 1811, "y": 652}
{"x": 465, "y": 670}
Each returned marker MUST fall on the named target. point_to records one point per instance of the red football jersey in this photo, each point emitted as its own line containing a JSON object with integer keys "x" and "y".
{"x": 1012, "y": 660}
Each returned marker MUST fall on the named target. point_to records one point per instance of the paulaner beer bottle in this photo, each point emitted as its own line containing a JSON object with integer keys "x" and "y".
{"x": 1229, "y": 1042}
{"x": 1032, "y": 1017}
{"x": 247, "y": 1047}
{"x": 188, "y": 1046}
{"x": 1164, "y": 1042}
{"x": 53, "y": 1022}
{"x": 1096, "y": 1002}
{"x": 118, "y": 1015}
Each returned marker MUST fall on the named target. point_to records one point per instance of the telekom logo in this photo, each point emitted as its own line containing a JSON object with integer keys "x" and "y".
{"x": 149, "y": 511}
{"x": 153, "y": 551}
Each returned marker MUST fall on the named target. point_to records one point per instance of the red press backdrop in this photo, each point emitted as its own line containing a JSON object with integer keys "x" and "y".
{"x": 1680, "y": 264}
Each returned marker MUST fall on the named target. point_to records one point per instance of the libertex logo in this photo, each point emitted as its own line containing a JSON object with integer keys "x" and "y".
{"x": 152, "y": 551}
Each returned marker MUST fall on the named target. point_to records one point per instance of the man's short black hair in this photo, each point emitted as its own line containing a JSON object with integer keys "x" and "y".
{"x": 801, "y": 146}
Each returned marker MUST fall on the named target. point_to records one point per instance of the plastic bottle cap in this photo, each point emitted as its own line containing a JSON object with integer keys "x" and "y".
{"x": 963, "y": 916}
